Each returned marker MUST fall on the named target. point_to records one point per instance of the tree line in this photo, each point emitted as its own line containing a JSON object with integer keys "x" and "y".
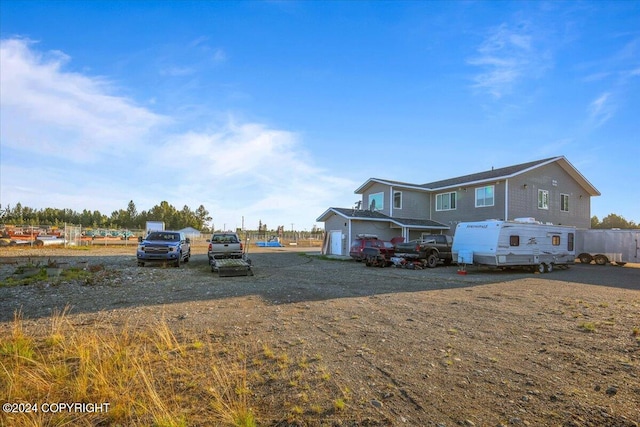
{"x": 128, "y": 218}
{"x": 612, "y": 221}
{"x": 173, "y": 218}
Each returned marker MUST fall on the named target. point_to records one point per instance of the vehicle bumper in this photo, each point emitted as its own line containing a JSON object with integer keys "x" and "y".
{"x": 171, "y": 256}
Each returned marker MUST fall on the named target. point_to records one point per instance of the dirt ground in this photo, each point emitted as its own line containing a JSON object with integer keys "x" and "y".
{"x": 404, "y": 347}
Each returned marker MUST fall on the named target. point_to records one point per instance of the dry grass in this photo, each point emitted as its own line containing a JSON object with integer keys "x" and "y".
{"x": 147, "y": 377}
{"x": 152, "y": 376}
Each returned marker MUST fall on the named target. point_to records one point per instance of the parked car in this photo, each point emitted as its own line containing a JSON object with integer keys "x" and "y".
{"x": 370, "y": 241}
{"x": 225, "y": 245}
{"x": 165, "y": 246}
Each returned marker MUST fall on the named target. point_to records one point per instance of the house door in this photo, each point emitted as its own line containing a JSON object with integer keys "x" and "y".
{"x": 336, "y": 243}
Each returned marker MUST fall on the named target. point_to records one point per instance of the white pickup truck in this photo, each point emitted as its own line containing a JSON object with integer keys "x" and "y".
{"x": 225, "y": 245}
{"x": 227, "y": 256}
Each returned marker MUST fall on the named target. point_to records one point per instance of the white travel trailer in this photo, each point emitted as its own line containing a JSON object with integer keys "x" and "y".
{"x": 522, "y": 242}
{"x": 603, "y": 246}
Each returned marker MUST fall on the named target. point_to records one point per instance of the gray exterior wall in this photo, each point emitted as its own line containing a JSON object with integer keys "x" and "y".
{"x": 415, "y": 204}
{"x": 523, "y": 202}
{"x": 335, "y": 223}
{"x": 374, "y": 189}
{"x": 466, "y": 209}
{"x": 339, "y": 223}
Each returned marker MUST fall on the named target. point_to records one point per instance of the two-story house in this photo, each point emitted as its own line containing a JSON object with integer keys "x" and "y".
{"x": 549, "y": 190}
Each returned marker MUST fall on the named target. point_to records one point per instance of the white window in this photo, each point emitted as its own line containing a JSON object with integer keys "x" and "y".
{"x": 397, "y": 199}
{"x": 446, "y": 201}
{"x": 376, "y": 202}
{"x": 484, "y": 196}
{"x": 564, "y": 202}
{"x": 543, "y": 199}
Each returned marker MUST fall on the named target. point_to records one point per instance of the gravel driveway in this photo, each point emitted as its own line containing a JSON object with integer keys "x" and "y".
{"x": 279, "y": 277}
{"x": 412, "y": 347}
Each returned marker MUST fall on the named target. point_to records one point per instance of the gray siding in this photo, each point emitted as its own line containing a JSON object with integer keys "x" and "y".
{"x": 415, "y": 204}
{"x": 374, "y": 189}
{"x": 523, "y": 202}
{"x": 466, "y": 209}
{"x": 335, "y": 223}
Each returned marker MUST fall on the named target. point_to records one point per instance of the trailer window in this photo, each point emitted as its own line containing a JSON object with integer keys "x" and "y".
{"x": 570, "y": 242}
{"x": 514, "y": 240}
{"x": 555, "y": 240}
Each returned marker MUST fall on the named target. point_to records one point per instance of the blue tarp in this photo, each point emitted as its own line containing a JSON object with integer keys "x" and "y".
{"x": 269, "y": 244}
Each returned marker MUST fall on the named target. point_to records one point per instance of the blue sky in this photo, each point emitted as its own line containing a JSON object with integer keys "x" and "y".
{"x": 275, "y": 111}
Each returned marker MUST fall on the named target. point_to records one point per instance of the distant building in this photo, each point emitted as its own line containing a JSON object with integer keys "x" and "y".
{"x": 191, "y": 232}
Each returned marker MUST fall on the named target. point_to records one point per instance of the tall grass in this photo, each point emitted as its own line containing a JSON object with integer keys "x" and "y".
{"x": 146, "y": 376}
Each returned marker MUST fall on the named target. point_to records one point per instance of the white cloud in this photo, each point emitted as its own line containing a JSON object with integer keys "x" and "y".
{"x": 95, "y": 150}
{"x": 507, "y": 56}
{"x": 48, "y": 110}
{"x": 601, "y": 109}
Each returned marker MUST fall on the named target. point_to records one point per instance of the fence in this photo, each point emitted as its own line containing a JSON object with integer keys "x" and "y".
{"x": 74, "y": 235}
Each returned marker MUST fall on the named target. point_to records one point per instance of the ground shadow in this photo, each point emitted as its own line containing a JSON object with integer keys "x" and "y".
{"x": 279, "y": 278}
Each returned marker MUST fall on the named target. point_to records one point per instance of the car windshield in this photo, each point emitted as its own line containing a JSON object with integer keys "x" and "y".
{"x": 172, "y": 237}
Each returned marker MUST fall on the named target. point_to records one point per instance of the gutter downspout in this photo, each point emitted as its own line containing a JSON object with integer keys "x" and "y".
{"x": 506, "y": 200}
{"x": 349, "y": 240}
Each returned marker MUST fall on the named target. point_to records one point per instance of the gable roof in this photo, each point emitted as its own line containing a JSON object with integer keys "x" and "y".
{"x": 367, "y": 215}
{"x": 492, "y": 175}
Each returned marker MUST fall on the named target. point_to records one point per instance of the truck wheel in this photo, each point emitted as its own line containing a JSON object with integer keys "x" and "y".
{"x": 432, "y": 261}
{"x": 177, "y": 263}
{"x": 585, "y": 258}
{"x": 601, "y": 259}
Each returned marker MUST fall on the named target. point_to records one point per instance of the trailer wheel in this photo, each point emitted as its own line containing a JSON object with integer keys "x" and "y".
{"x": 432, "y": 261}
{"x": 542, "y": 268}
{"x": 601, "y": 259}
{"x": 585, "y": 258}
{"x": 548, "y": 268}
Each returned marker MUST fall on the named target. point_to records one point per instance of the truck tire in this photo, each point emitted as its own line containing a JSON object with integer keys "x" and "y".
{"x": 585, "y": 258}
{"x": 177, "y": 262}
{"x": 601, "y": 259}
{"x": 432, "y": 261}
